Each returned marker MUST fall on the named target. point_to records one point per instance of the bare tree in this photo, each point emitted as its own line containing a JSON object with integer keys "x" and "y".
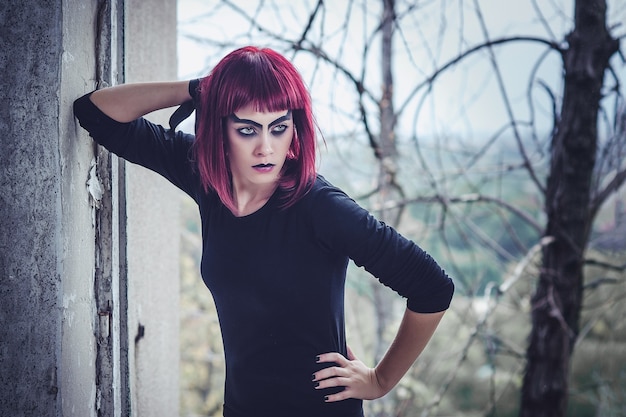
{"x": 570, "y": 205}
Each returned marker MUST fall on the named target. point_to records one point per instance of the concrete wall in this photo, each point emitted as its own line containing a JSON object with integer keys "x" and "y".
{"x": 153, "y": 207}
{"x": 32, "y": 234}
{"x": 52, "y": 324}
{"x": 75, "y": 247}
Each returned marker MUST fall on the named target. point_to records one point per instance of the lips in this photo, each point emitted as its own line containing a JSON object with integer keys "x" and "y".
{"x": 263, "y": 166}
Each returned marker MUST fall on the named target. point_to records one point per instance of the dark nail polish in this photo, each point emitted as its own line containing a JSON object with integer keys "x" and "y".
{"x": 326, "y": 398}
{"x": 313, "y": 377}
{"x": 317, "y": 384}
{"x": 317, "y": 358}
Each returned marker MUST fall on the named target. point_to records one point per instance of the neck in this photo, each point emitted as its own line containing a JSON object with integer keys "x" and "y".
{"x": 249, "y": 200}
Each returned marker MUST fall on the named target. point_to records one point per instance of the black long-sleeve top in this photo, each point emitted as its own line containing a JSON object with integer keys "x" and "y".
{"x": 277, "y": 275}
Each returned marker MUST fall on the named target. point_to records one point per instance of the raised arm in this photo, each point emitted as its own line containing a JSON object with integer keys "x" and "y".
{"x": 127, "y": 102}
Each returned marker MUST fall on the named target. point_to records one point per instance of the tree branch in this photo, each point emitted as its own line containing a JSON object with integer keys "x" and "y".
{"x": 605, "y": 265}
{"x": 307, "y": 28}
{"x": 618, "y": 180}
{"x": 471, "y": 51}
{"x": 466, "y": 199}
{"x": 507, "y": 104}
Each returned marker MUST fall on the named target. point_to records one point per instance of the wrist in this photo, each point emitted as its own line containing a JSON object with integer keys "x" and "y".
{"x": 383, "y": 383}
{"x": 193, "y": 89}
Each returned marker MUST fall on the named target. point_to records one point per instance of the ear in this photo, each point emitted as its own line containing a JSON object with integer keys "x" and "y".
{"x": 294, "y": 148}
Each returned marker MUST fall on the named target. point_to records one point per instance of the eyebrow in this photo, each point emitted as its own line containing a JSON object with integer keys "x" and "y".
{"x": 281, "y": 119}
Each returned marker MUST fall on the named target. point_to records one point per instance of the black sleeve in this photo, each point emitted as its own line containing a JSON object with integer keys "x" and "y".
{"x": 345, "y": 227}
{"x": 164, "y": 151}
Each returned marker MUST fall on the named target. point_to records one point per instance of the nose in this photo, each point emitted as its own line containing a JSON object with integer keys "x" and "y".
{"x": 265, "y": 145}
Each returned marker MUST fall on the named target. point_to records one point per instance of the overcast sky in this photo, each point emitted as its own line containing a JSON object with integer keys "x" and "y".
{"x": 466, "y": 99}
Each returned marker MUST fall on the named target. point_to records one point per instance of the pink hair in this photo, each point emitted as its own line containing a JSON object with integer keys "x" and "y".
{"x": 267, "y": 80}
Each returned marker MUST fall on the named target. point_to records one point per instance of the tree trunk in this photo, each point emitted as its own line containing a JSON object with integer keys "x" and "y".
{"x": 557, "y": 302}
{"x": 386, "y": 177}
{"x": 387, "y": 187}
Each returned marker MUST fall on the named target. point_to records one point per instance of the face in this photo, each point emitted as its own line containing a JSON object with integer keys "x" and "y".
{"x": 258, "y": 143}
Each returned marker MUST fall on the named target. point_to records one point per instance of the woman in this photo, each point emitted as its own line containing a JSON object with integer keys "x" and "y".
{"x": 276, "y": 236}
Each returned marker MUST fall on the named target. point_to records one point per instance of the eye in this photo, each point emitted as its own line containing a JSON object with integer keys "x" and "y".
{"x": 246, "y": 131}
{"x": 279, "y": 129}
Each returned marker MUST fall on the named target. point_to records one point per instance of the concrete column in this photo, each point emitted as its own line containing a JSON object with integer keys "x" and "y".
{"x": 153, "y": 207}
{"x": 52, "y": 320}
{"x": 47, "y": 362}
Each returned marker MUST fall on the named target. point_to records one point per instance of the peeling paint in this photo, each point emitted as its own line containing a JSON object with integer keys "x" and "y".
{"x": 94, "y": 186}
{"x": 67, "y": 57}
{"x": 95, "y": 190}
{"x": 68, "y": 314}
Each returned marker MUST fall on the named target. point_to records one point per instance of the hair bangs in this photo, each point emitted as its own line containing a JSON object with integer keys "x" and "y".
{"x": 257, "y": 81}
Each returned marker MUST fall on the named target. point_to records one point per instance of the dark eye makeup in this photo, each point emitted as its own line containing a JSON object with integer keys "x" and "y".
{"x": 276, "y": 130}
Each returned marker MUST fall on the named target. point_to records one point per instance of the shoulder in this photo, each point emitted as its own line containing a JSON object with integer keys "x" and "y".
{"x": 323, "y": 190}
{"x": 333, "y": 213}
{"x": 324, "y": 198}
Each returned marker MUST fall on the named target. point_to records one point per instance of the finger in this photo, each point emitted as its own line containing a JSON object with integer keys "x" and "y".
{"x": 331, "y": 372}
{"x": 336, "y": 357}
{"x": 332, "y": 383}
{"x": 340, "y": 396}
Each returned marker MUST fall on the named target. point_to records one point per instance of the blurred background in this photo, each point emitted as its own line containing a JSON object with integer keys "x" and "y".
{"x": 491, "y": 133}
